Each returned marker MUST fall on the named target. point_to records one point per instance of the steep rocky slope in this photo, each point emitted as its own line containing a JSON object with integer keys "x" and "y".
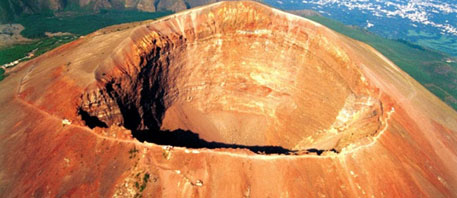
{"x": 231, "y": 99}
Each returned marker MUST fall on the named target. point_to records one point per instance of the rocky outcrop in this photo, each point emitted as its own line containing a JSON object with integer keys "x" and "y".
{"x": 174, "y": 6}
{"x": 10, "y": 34}
{"x": 231, "y": 99}
{"x": 146, "y": 6}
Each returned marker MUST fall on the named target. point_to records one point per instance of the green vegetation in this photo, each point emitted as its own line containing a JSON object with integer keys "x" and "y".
{"x": 133, "y": 152}
{"x": 142, "y": 186}
{"x": 419, "y": 34}
{"x": 75, "y": 20}
{"x": 2, "y": 74}
{"x": 441, "y": 43}
{"x": 15, "y": 52}
{"x": 427, "y": 66}
{"x": 434, "y": 41}
{"x": 80, "y": 23}
{"x": 5, "y": 12}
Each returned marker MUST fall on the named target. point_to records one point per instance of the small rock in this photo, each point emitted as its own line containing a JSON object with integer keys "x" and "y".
{"x": 66, "y": 122}
{"x": 199, "y": 183}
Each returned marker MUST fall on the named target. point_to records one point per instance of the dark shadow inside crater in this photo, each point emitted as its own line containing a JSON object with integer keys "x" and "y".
{"x": 189, "y": 139}
{"x": 91, "y": 121}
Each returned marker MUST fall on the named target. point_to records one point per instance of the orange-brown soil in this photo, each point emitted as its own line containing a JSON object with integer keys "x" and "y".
{"x": 231, "y": 99}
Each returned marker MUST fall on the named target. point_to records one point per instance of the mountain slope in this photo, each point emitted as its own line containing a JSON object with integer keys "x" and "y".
{"x": 434, "y": 70}
{"x": 230, "y": 99}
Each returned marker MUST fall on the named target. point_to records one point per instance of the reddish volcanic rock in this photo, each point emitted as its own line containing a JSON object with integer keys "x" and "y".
{"x": 251, "y": 102}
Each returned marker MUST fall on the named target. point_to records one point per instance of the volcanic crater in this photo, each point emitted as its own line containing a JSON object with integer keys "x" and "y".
{"x": 238, "y": 81}
{"x": 206, "y": 93}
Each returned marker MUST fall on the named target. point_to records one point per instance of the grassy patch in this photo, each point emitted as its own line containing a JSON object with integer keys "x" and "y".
{"x": 2, "y": 74}
{"x": 421, "y": 63}
{"x": 80, "y": 23}
{"x": 12, "y": 53}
